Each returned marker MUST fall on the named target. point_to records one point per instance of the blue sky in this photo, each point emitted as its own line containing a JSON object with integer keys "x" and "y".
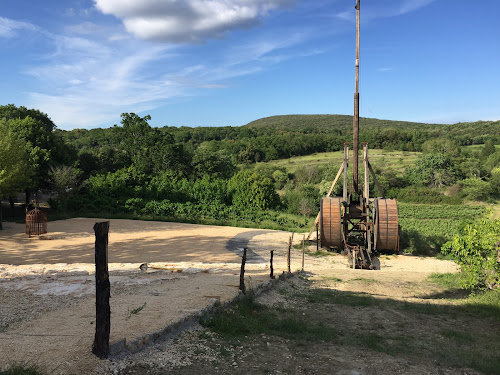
{"x": 229, "y": 62}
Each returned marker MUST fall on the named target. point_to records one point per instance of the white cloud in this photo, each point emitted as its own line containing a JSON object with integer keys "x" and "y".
{"x": 9, "y": 28}
{"x": 187, "y": 21}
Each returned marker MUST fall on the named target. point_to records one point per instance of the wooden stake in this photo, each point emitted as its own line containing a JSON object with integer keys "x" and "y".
{"x": 317, "y": 239}
{"x": 288, "y": 254}
{"x": 271, "y": 275}
{"x": 303, "y": 249}
{"x": 242, "y": 271}
{"x": 100, "y": 346}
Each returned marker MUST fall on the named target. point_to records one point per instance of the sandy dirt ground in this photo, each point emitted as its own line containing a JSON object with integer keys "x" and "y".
{"x": 47, "y": 284}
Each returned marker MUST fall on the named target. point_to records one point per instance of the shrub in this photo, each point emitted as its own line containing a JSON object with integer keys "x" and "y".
{"x": 475, "y": 189}
{"x": 159, "y": 208}
{"x": 422, "y": 194}
{"x": 476, "y": 251}
{"x": 134, "y": 205}
{"x": 249, "y": 189}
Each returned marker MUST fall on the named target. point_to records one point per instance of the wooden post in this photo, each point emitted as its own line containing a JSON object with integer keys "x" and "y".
{"x": 103, "y": 313}
{"x": 242, "y": 271}
{"x": 355, "y": 132}
{"x": 317, "y": 239}
{"x": 345, "y": 165}
{"x": 303, "y": 249}
{"x": 288, "y": 254}
{"x": 271, "y": 275}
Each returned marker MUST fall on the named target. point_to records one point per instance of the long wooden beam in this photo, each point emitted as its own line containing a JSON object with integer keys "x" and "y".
{"x": 381, "y": 191}
{"x": 316, "y": 221}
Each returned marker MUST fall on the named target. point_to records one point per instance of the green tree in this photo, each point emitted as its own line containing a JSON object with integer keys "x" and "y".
{"x": 64, "y": 180}
{"x": 136, "y": 140}
{"x": 217, "y": 164}
{"x": 435, "y": 170}
{"x": 448, "y": 147}
{"x": 252, "y": 190}
{"x": 14, "y": 170}
{"x": 488, "y": 149}
{"x": 36, "y": 130}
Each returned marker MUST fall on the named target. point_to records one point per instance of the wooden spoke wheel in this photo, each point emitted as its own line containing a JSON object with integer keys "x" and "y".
{"x": 331, "y": 222}
{"x": 386, "y": 229}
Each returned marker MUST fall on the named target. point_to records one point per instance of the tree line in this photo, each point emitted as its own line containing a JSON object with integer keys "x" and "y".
{"x": 141, "y": 169}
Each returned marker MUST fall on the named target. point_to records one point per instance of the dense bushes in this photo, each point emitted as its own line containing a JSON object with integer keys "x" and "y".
{"x": 251, "y": 189}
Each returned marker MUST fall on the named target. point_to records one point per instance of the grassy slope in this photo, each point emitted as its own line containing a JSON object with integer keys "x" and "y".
{"x": 397, "y": 160}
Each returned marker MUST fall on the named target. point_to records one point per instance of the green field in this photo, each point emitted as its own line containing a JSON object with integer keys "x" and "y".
{"x": 397, "y": 160}
{"x": 425, "y": 227}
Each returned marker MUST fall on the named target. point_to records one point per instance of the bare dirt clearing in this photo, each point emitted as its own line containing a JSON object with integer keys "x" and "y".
{"x": 47, "y": 290}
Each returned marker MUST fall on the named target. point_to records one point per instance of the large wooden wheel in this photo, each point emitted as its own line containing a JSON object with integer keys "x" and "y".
{"x": 386, "y": 229}
{"x": 331, "y": 222}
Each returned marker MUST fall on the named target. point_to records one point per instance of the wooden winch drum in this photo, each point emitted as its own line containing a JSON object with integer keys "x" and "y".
{"x": 386, "y": 226}
{"x": 331, "y": 222}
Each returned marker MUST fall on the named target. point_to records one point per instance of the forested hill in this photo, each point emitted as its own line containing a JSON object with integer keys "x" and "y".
{"x": 466, "y": 133}
{"x": 271, "y": 138}
{"x": 315, "y": 122}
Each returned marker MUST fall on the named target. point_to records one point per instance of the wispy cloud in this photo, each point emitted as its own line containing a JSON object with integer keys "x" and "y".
{"x": 384, "y": 8}
{"x": 92, "y": 72}
{"x": 90, "y": 82}
{"x": 385, "y": 69}
{"x": 9, "y": 28}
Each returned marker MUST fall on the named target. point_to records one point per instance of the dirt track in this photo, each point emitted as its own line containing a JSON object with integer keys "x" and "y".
{"x": 47, "y": 286}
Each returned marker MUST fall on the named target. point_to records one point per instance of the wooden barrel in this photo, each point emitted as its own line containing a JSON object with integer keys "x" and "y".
{"x": 386, "y": 229}
{"x": 331, "y": 222}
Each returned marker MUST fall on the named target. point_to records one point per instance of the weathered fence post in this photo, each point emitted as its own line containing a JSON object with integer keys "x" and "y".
{"x": 102, "y": 287}
{"x": 317, "y": 238}
{"x": 288, "y": 253}
{"x": 303, "y": 249}
{"x": 242, "y": 271}
{"x": 271, "y": 275}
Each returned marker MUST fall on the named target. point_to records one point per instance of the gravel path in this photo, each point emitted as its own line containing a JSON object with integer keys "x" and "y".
{"x": 47, "y": 285}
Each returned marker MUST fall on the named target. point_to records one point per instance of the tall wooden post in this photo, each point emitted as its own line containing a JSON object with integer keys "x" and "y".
{"x": 271, "y": 275}
{"x": 103, "y": 313}
{"x": 356, "y": 110}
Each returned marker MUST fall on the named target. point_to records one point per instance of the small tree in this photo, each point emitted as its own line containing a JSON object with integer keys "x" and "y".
{"x": 488, "y": 149}
{"x": 435, "y": 170}
{"x": 64, "y": 180}
{"x": 252, "y": 190}
{"x": 476, "y": 251}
